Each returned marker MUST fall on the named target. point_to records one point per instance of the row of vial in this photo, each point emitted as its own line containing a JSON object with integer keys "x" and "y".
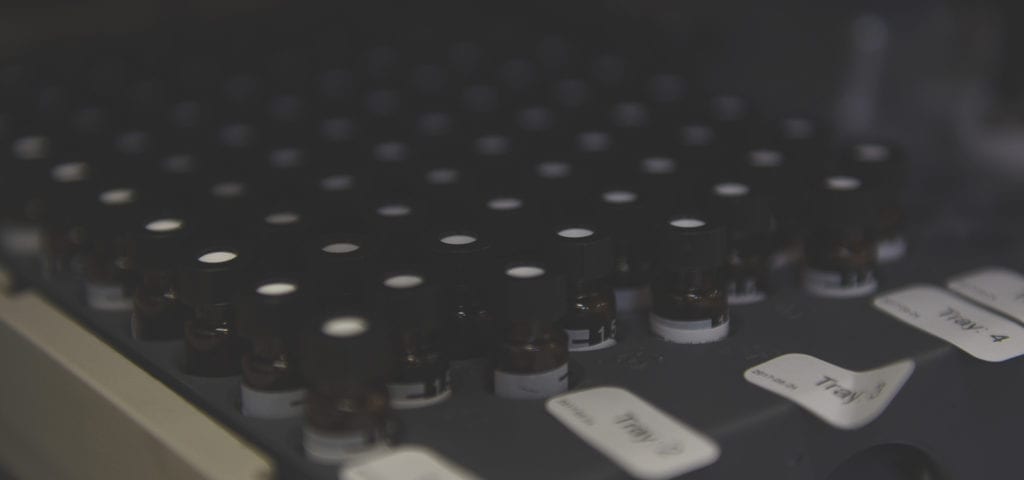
{"x": 355, "y": 334}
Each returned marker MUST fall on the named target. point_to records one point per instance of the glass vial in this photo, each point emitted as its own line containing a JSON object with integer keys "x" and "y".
{"x": 461, "y": 261}
{"x": 65, "y": 238}
{"x": 407, "y": 302}
{"x": 689, "y": 289}
{"x": 345, "y": 360}
{"x": 624, "y": 218}
{"x": 585, "y": 255}
{"x": 750, "y": 226}
{"x": 841, "y": 249}
{"x": 208, "y": 282}
{"x": 157, "y": 312}
{"x": 883, "y": 168}
{"x": 270, "y": 314}
{"x": 531, "y": 358}
{"x": 109, "y": 282}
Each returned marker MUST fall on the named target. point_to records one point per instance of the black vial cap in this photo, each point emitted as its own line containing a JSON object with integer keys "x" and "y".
{"x": 530, "y": 292}
{"x": 156, "y": 241}
{"x": 739, "y": 206}
{"x": 460, "y": 255}
{"x": 406, "y": 300}
{"x": 271, "y": 306}
{"x": 114, "y": 211}
{"x": 582, "y": 251}
{"x": 881, "y": 165}
{"x": 693, "y": 242}
{"x": 340, "y": 259}
{"x": 844, "y": 201}
{"x": 343, "y": 347}
{"x": 210, "y": 275}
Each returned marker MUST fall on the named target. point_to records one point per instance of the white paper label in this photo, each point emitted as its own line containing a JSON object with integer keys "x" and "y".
{"x": 405, "y": 463}
{"x": 997, "y": 288}
{"x": 267, "y": 404}
{"x": 842, "y": 398}
{"x": 832, "y": 284}
{"x": 689, "y": 331}
{"x": 632, "y": 299}
{"x": 334, "y": 448}
{"x": 107, "y": 297}
{"x": 639, "y": 438}
{"x": 977, "y": 331}
{"x": 531, "y": 386}
{"x": 417, "y": 395}
{"x": 587, "y": 340}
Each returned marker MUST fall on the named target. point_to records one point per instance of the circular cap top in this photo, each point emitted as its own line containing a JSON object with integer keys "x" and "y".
{"x": 880, "y": 164}
{"x": 693, "y": 242}
{"x": 582, "y": 252}
{"x": 502, "y": 204}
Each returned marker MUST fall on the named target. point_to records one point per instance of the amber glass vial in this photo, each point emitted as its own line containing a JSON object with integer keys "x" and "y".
{"x": 621, "y": 213}
{"x": 750, "y": 225}
{"x": 461, "y": 261}
{"x": 208, "y": 282}
{"x": 340, "y": 264}
{"x": 407, "y": 302}
{"x": 840, "y": 248}
{"x": 270, "y": 315}
{"x": 689, "y": 290}
{"x": 531, "y": 358}
{"x": 109, "y": 282}
{"x": 346, "y": 360}
{"x": 883, "y": 167}
{"x": 585, "y": 255}
{"x": 155, "y": 249}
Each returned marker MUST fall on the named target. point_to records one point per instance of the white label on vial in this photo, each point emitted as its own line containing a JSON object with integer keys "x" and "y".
{"x": 406, "y": 463}
{"x": 531, "y": 385}
{"x": 744, "y": 291}
{"x": 107, "y": 297}
{"x": 417, "y": 395}
{"x": 829, "y": 284}
{"x": 267, "y": 404}
{"x": 997, "y": 288}
{"x": 584, "y": 341}
{"x": 689, "y": 331}
{"x": 977, "y": 331}
{"x": 632, "y": 299}
{"x": 21, "y": 240}
{"x": 334, "y": 448}
{"x": 891, "y": 249}
{"x": 842, "y": 398}
{"x": 641, "y": 439}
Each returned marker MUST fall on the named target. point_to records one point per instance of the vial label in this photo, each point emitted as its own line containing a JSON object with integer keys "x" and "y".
{"x": 531, "y": 385}
{"x": 843, "y": 398}
{"x": 592, "y": 339}
{"x": 334, "y": 448}
{"x": 267, "y": 404}
{"x": 641, "y": 439}
{"x": 412, "y": 462}
{"x": 891, "y": 249}
{"x": 997, "y": 288}
{"x": 420, "y": 394}
{"x": 690, "y": 331}
{"x": 744, "y": 292}
{"x": 107, "y": 297}
{"x": 831, "y": 284}
{"x": 21, "y": 240}
{"x": 979, "y": 332}
{"x": 632, "y": 299}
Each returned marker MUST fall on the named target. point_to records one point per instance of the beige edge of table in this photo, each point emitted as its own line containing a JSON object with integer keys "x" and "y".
{"x": 71, "y": 407}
